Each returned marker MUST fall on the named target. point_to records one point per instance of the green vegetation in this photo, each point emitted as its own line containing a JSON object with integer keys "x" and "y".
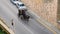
{"x": 2, "y": 32}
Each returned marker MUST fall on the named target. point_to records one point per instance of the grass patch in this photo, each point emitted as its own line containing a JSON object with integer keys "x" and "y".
{"x": 2, "y": 31}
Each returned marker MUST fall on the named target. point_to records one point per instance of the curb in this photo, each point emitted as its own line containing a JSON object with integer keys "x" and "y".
{"x": 7, "y": 29}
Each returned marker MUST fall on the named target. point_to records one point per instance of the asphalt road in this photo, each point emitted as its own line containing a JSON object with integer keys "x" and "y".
{"x": 8, "y": 11}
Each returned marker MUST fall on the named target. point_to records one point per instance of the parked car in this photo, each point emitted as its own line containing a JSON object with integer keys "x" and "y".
{"x": 14, "y": 1}
{"x": 21, "y": 6}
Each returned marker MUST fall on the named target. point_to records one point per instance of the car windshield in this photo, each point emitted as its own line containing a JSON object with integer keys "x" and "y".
{"x": 21, "y": 5}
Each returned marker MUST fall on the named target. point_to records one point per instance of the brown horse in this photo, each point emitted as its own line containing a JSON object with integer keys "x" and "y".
{"x": 23, "y": 13}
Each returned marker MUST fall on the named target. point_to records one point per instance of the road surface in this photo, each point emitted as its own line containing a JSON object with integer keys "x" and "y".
{"x": 9, "y": 12}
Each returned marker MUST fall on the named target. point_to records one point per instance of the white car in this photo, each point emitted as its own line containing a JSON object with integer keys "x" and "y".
{"x": 21, "y": 6}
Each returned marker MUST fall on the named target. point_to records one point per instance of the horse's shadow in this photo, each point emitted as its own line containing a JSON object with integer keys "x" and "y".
{"x": 25, "y": 21}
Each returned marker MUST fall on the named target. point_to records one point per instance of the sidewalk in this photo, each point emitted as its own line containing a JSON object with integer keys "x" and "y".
{"x": 48, "y": 25}
{"x": 6, "y": 27}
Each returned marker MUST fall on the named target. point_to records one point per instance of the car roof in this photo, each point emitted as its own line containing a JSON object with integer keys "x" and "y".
{"x": 19, "y": 2}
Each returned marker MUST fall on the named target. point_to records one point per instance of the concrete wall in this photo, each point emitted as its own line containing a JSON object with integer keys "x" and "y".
{"x": 46, "y": 9}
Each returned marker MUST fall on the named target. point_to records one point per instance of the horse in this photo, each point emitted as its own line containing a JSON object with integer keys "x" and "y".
{"x": 23, "y": 13}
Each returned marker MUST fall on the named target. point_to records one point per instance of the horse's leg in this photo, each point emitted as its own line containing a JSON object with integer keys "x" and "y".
{"x": 19, "y": 14}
